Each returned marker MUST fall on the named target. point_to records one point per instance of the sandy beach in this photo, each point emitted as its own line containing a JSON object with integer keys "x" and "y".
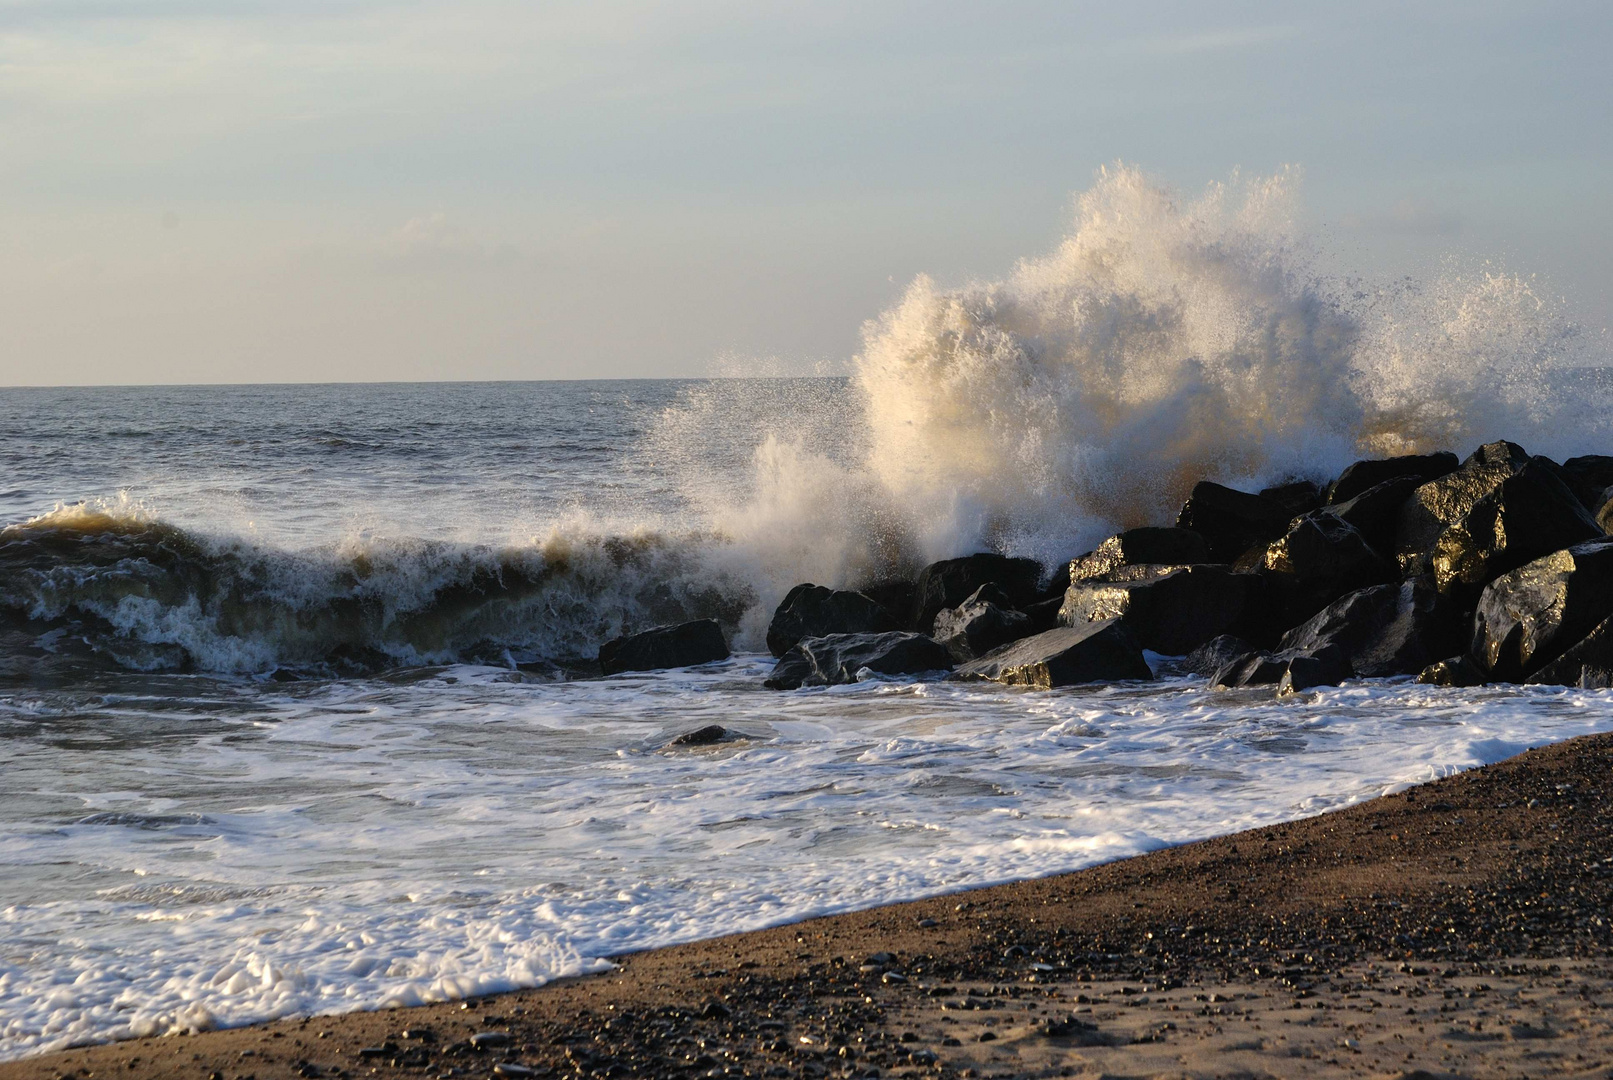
{"x": 1459, "y": 928}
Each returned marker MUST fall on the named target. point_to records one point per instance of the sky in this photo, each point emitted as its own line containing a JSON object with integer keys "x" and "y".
{"x": 354, "y": 190}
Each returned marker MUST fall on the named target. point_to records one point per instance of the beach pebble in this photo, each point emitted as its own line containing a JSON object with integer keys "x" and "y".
{"x": 487, "y": 1040}
{"x": 511, "y": 1069}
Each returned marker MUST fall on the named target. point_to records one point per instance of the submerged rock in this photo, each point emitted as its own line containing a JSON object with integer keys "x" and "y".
{"x": 683, "y": 645}
{"x": 950, "y": 582}
{"x": 1290, "y": 670}
{"x": 709, "y": 735}
{"x": 983, "y": 622}
{"x": 1095, "y": 652}
{"x": 1529, "y": 617}
{"x": 1364, "y": 475}
{"x": 1216, "y": 654}
{"x": 1453, "y": 671}
{"x": 1170, "y": 611}
{"x": 837, "y": 658}
{"x": 1152, "y": 546}
{"x": 1231, "y": 522}
{"x": 814, "y": 610}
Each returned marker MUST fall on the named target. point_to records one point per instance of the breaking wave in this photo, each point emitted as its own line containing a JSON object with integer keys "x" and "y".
{"x": 1163, "y": 341}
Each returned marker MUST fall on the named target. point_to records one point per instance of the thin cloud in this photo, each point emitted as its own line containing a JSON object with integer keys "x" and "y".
{"x": 1217, "y": 40}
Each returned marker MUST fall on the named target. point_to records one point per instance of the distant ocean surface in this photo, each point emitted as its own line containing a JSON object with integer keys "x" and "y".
{"x": 296, "y": 711}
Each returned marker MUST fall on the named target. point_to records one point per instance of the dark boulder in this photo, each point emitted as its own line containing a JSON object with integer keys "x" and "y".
{"x": 1453, "y": 671}
{"x": 1290, "y": 670}
{"x": 1588, "y": 477}
{"x": 1527, "y": 618}
{"x": 1499, "y": 452}
{"x": 837, "y": 658}
{"x": 813, "y": 611}
{"x": 1383, "y": 630}
{"x": 980, "y": 624}
{"x": 1325, "y": 667}
{"x": 1375, "y": 512}
{"x": 1231, "y": 522}
{"x": 1170, "y": 612}
{"x": 1151, "y": 546}
{"x": 1321, "y": 558}
{"x": 1369, "y": 474}
{"x": 1044, "y": 614}
{"x": 895, "y": 598}
{"x": 710, "y": 735}
{"x": 1296, "y": 497}
{"x": 683, "y": 645}
{"x": 948, "y": 583}
{"x": 1439, "y": 504}
{"x": 1588, "y": 663}
{"x": 1095, "y": 652}
{"x": 1216, "y": 654}
{"x": 1527, "y": 515}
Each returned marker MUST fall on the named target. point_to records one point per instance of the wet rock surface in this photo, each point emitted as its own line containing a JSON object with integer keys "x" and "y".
{"x": 1589, "y": 477}
{"x": 1321, "y": 557}
{"x": 983, "y": 622}
{"x": 1458, "y": 928}
{"x": 1216, "y": 654}
{"x": 1527, "y": 515}
{"x": 1156, "y": 546}
{"x": 1527, "y": 618}
{"x": 1587, "y": 664}
{"x": 814, "y": 610}
{"x": 1452, "y": 671}
{"x": 1230, "y": 521}
{"x": 837, "y": 658}
{"x": 1384, "y": 630}
{"x": 1364, "y": 475}
{"x": 950, "y": 582}
{"x": 1170, "y": 610}
{"x": 1093, "y": 652}
{"x": 683, "y": 645}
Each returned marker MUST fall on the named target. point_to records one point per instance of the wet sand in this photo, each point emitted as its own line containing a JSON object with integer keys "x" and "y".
{"x": 1458, "y": 929}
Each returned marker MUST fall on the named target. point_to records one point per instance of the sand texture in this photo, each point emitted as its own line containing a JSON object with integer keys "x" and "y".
{"x": 1460, "y": 928}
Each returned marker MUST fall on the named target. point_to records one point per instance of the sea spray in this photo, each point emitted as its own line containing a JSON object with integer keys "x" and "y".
{"x": 1163, "y": 341}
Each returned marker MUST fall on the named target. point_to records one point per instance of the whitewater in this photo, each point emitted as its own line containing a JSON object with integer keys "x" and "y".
{"x": 296, "y": 709}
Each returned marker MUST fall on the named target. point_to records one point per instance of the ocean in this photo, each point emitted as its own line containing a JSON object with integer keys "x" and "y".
{"x": 296, "y": 708}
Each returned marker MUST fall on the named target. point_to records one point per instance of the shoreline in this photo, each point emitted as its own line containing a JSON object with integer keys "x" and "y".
{"x": 1461, "y": 927}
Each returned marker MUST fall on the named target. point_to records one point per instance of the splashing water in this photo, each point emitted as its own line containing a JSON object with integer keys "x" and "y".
{"x": 1164, "y": 341}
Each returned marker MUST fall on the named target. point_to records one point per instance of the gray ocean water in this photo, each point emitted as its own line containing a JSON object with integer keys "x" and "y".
{"x": 293, "y": 716}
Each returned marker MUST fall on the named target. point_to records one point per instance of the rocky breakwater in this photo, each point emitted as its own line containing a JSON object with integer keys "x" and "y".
{"x": 1496, "y": 567}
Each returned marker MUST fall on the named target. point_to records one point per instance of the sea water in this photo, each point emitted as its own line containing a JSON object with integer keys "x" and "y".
{"x": 296, "y": 712}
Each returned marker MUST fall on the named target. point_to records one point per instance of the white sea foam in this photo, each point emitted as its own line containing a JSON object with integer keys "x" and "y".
{"x": 361, "y": 844}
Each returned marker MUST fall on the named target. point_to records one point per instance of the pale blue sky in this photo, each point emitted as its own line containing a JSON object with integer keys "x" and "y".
{"x": 359, "y": 189}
